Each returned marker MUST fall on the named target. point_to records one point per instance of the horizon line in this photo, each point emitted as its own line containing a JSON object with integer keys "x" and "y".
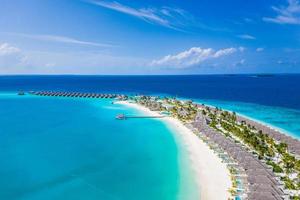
{"x": 204, "y": 74}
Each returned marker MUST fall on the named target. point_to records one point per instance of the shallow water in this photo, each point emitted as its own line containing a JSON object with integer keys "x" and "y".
{"x": 47, "y": 153}
{"x": 62, "y": 148}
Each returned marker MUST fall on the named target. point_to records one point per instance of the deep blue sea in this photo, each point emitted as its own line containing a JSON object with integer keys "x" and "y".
{"x": 64, "y": 148}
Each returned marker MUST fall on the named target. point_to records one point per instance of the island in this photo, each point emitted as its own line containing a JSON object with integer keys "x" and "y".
{"x": 263, "y": 163}
{"x": 234, "y": 157}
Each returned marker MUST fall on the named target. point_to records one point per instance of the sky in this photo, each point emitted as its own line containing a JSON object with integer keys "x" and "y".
{"x": 149, "y": 37}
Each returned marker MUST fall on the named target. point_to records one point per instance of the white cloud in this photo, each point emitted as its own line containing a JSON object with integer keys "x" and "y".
{"x": 143, "y": 13}
{"x": 288, "y": 14}
{"x": 192, "y": 57}
{"x": 11, "y": 58}
{"x": 260, "y": 49}
{"x": 224, "y": 52}
{"x": 247, "y": 37}
{"x": 7, "y": 49}
{"x": 165, "y": 16}
{"x": 62, "y": 39}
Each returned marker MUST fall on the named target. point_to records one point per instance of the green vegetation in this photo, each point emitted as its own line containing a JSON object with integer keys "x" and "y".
{"x": 288, "y": 183}
{"x": 275, "y": 153}
{"x": 296, "y": 198}
{"x": 276, "y": 168}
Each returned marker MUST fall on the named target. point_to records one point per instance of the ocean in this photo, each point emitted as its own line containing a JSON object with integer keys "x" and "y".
{"x": 64, "y": 148}
{"x": 61, "y": 148}
{"x": 272, "y": 99}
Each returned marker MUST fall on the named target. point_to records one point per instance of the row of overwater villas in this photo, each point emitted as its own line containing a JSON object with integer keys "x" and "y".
{"x": 79, "y": 94}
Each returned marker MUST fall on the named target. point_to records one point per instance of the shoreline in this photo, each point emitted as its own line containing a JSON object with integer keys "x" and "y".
{"x": 270, "y": 126}
{"x": 212, "y": 175}
{"x": 262, "y": 123}
{"x": 275, "y": 132}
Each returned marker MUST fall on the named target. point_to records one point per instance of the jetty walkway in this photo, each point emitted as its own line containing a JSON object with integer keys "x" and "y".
{"x": 122, "y": 116}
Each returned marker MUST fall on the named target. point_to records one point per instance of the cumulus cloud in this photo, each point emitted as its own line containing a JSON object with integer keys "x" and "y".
{"x": 287, "y": 14}
{"x": 247, "y": 37}
{"x": 193, "y": 56}
{"x": 224, "y": 52}
{"x": 7, "y": 49}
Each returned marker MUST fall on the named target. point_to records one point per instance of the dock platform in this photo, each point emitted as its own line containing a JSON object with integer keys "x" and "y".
{"x": 123, "y": 116}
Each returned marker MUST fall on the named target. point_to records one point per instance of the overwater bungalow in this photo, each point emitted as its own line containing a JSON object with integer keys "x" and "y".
{"x": 21, "y": 93}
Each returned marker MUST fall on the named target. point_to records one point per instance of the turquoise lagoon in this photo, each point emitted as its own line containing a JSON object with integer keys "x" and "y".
{"x": 62, "y": 148}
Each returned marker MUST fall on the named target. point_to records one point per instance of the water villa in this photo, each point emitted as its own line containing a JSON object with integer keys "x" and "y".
{"x": 21, "y": 93}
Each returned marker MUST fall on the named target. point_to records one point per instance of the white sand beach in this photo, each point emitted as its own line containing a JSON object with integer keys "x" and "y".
{"x": 212, "y": 175}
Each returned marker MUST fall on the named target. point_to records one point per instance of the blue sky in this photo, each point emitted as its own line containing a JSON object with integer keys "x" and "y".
{"x": 149, "y": 37}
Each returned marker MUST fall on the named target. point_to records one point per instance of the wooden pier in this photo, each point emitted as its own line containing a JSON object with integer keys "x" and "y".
{"x": 123, "y": 117}
{"x": 79, "y": 95}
